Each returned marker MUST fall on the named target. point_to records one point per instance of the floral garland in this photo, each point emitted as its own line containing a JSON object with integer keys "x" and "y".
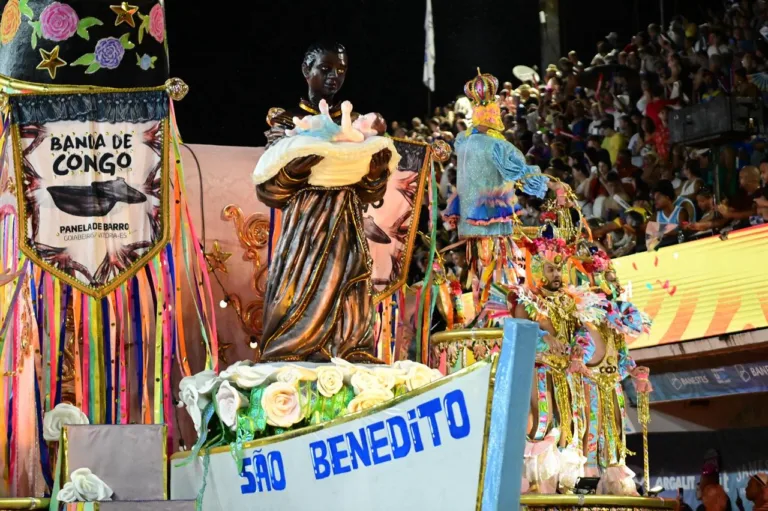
{"x": 248, "y": 401}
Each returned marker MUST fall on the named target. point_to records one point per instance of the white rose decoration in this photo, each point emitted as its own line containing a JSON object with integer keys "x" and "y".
{"x": 369, "y": 399}
{"x": 195, "y": 392}
{"x": 61, "y": 415}
{"x": 388, "y": 377}
{"x": 347, "y": 368}
{"x": 246, "y": 375}
{"x": 363, "y": 380}
{"x": 294, "y": 374}
{"x": 418, "y": 376}
{"x": 436, "y": 374}
{"x": 330, "y": 380}
{"x": 229, "y": 401}
{"x": 280, "y": 402}
{"x": 85, "y": 486}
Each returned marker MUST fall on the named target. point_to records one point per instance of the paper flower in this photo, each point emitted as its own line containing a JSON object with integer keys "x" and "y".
{"x": 85, "y": 486}
{"x": 330, "y": 380}
{"x": 417, "y": 375}
{"x": 109, "y": 52}
{"x": 347, "y": 368}
{"x": 195, "y": 395}
{"x": 229, "y": 401}
{"x": 388, "y": 377}
{"x": 293, "y": 374}
{"x": 62, "y": 415}
{"x": 369, "y": 399}
{"x": 364, "y": 380}
{"x": 280, "y": 402}
{"x": 247, "y": 375}
{"x": 58, "y": 22}
{"x": 157, "y": 23}
{"x": 10, "y": 22}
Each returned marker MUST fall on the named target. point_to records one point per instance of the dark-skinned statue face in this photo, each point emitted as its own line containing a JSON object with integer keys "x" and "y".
{"x": 325, "y": 68}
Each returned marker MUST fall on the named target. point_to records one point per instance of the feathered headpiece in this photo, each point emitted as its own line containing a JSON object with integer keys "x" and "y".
{"x": 481, "y": 90}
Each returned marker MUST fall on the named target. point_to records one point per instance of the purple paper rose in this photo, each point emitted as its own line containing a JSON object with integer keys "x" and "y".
{"x": 58, "y": 22}
{"x": 109, "y": 52}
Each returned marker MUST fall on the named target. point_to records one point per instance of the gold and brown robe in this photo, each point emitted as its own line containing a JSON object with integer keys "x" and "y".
{"x": 318, "y": 302}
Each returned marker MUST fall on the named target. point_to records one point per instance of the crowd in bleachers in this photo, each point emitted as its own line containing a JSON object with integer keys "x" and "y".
{"x": 601, "y": 125}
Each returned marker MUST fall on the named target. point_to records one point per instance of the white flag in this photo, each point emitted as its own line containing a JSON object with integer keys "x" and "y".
{"x": 429, "y": 49}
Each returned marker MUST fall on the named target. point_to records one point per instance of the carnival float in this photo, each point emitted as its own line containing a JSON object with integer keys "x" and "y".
{"x": 108, "y": 321}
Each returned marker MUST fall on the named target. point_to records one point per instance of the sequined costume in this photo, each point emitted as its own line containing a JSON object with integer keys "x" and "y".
{"x": 489, "y": 172}
{"x": 605, "y": 362}
{"x": 318, "y": 298}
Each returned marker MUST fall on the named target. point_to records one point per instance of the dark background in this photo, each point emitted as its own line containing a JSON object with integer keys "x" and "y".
{"x": 241, "y": 58}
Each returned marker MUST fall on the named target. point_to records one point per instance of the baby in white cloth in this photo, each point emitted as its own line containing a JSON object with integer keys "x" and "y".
{"x": 322, "y": 126}
{"x": 346, "y": 149}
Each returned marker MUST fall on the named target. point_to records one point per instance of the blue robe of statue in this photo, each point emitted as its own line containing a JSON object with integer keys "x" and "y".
{"x": 488, "y": 168}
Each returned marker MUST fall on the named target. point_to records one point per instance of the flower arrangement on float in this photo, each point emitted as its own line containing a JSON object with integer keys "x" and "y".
{"x": 248, "y": 401}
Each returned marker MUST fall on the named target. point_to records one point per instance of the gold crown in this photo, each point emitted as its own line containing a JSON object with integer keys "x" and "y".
{"x": 481, "y": 89}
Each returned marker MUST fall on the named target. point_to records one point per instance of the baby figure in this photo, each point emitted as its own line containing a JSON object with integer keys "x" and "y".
{"x": 346, "y": 150}
{"x": 322, "y": 126}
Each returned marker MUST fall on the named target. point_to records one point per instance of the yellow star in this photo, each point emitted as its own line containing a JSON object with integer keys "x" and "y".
{"x": 124, "y": 13}
{"x": 51, "y": 61}
{"x": 217, "y": 259}
{"x": 223, "y": 347}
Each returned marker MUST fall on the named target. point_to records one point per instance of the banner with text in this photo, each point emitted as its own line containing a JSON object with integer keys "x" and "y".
{"x": 377, "y": 461}
{"x": 707, "y": 383}
{"x": 92, "y": 183}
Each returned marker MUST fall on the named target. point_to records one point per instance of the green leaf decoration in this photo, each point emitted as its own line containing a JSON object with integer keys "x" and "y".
{"x": 34, "y": 40}
{"x": 25, "y": 9}
{"x": 85, "y": 24}
{"x": 144, "y": 27}
{"x": 308, "y": 398}
{"x": 85, "y": 60}
{"x": 95, "y": 66}
{"x": 128, "y": 45}
{"x": 400, "y": 390}
{"x": 255, "y": 412}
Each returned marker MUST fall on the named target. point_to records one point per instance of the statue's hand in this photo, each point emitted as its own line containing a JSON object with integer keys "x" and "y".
{"x": 300, "y": 168}
{"x": 379, "y": 164}
{"x": 556, "y": 347}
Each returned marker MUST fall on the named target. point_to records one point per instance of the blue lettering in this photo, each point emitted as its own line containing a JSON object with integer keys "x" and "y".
{"x": 262, "y": 471}
{"x": 429, "y": 410}
{"x": 338, "y": 455}
{"x": 358, "y": 447}
{"x": 275, "y": 469}
{"x": 456, "y": 398}
{"x": 378, "y": 443}
{"x": 400, "y": 446}
{"x": 418, "y": 445}
{"x": 319, "y": 454}
{"x": 250, "y": 484}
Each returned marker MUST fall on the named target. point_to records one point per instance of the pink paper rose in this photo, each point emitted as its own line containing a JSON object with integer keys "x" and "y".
{"x": 157, "y": 23}
{"x": 58, "y": 22}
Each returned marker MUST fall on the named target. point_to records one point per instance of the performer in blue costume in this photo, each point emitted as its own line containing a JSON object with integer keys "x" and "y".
{"x": 490, "y": 170}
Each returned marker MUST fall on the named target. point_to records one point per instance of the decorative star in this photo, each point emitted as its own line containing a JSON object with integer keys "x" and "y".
{"x": 217, "y": 259}
{"x": 51, "y": 61}
{"x": 223, "y": 347}
{"x": 124, "y": 13}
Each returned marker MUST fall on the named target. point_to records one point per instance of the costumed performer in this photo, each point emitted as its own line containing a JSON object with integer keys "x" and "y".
{"x": 564, "y": 314}
{"x": 490, "y": 170}
{"x": 604, "y": 362}
{"x": 318, "y": 302}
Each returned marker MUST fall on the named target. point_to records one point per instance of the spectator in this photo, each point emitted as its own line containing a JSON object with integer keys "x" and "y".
{"x": 613, "y": 142}
{"x": 714, "y": 498}
{"x": 743, "y": 204}
{"x": 693, "y": 182}
{"x": 710, "y": 218}
{"x": 757, "y": 491}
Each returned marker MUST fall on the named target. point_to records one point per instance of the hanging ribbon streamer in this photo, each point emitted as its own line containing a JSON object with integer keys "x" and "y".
{"x": 425, "y": 316}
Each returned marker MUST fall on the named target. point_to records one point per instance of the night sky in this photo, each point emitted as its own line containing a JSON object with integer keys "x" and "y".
{"x": 241, "y": 58}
